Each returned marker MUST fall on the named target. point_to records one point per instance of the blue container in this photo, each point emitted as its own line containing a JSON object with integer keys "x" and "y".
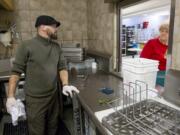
{"x": 134, "y": 45}
{"x": 160, "y": 78}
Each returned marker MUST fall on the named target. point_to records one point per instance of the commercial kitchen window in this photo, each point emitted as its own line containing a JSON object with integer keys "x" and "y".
{"x": 139, "y": 21}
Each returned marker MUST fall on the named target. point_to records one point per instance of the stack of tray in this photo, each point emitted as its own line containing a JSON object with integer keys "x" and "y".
{"x": 72, "y": 53}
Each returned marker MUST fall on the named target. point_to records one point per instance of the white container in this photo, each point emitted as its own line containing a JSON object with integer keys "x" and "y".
{"x": 140, "y": 65}
{"x": 140, "y": 69}
{"x": 94, "y": 67}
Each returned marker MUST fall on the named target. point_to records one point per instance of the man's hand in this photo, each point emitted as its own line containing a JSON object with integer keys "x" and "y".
{"x": 69, "y": 89}
{"x": 11, "y": 101}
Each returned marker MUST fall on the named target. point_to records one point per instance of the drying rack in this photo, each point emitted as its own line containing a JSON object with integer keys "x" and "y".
{"x": 136, "y": 113}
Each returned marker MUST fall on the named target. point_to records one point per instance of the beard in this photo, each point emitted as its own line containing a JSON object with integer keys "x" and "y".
{"x": 52, "y": 35}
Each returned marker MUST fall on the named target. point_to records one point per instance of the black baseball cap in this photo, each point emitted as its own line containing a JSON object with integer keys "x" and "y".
{"x": 46, "y": 20}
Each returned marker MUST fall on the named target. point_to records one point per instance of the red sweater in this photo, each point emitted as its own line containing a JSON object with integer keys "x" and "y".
{"x": 155, "y": 50}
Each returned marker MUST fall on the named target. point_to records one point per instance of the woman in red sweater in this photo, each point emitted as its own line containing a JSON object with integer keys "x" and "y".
{"x": 156, "y": 49}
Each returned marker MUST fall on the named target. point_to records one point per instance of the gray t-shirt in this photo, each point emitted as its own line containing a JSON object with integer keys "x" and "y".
{"x": 40, "y": 59}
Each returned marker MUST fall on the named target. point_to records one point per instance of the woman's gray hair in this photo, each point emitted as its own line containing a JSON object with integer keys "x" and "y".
{"x": 164, "y": 26}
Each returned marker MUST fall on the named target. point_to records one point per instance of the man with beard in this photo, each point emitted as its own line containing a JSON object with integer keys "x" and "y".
{"x": 42, "y": 62}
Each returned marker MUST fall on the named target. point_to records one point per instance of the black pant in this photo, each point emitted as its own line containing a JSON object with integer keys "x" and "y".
{"x": 42, "y": 114}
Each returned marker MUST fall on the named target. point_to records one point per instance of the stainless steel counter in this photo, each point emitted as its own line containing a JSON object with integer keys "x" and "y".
{"x": 90, "y": 95}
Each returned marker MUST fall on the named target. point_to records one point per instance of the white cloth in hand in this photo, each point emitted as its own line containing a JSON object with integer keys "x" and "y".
{"x": 16, "y": 109}
{"x": 11, "y": 101}
{"x": 69, "y": 89}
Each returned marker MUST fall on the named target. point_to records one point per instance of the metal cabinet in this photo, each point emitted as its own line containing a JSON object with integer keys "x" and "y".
{"x": 85, "y": 123}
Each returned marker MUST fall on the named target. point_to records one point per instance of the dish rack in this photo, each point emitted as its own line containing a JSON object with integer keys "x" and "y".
{"x": 136, "y": 113}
